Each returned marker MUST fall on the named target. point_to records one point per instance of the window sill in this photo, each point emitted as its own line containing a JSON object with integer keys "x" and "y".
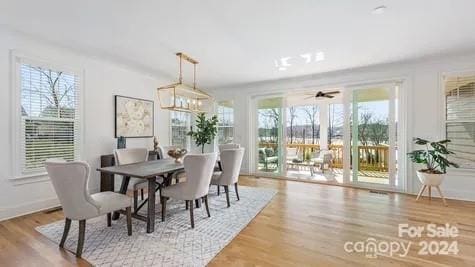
{"x": 30, "y": 178}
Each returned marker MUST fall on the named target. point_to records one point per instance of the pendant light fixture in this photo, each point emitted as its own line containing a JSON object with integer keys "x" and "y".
{"x": 182, "y": 97}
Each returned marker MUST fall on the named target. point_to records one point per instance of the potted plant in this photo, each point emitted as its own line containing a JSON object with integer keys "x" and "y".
{"x": 206, "y": 130}
{"x": 434, "y": 156}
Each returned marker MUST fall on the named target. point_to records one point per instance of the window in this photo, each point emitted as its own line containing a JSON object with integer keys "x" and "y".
{"x": 460, "y": 119}
{"x": 225, "y": 122}
{"x": 49, "y": 118}
{"x": 180, "y": 125}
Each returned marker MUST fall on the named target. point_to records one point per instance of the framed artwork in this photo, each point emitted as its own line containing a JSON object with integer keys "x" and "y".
{"x": 133, "y": 117}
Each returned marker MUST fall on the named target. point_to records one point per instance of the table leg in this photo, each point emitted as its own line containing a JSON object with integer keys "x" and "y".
{"x": 151, "y": 206}
{"x": 123, "y": 190}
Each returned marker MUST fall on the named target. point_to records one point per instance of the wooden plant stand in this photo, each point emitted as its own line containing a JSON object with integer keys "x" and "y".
{"x": 430, "y": 193}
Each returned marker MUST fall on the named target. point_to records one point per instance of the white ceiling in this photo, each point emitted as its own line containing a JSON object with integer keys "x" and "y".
{"x": 238, "y": 41}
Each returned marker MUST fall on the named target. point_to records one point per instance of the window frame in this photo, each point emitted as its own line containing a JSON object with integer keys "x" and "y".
{"x": 233, "y": 120}
{"x": 188, "y": 124}
{"x": 16, "y": 60}
{"x": 443, "y": 114}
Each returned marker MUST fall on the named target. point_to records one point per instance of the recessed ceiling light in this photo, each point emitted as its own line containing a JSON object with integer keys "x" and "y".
{"x": 319, "y": 56}
{"x": 379, "y": 10}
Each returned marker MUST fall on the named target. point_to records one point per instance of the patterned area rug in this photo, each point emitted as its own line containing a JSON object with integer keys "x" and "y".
{"x": 173, "y": 243}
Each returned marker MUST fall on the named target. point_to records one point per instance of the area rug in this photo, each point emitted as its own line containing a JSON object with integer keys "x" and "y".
{"x": 173, "y": 243}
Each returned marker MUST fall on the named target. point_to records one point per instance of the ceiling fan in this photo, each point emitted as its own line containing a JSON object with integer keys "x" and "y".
{"x": 321, "y": 94}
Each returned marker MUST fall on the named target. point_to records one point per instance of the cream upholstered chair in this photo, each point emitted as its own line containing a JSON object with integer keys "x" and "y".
{"x": 199, "y": 169}
{"x": 129, "y": 156}
{"x": 163, "y": 154}
{"x": 221, "y": 148}
{"x": 70, "y": 183}
{"x": 231, "y": 160}
{"x": 228, "y": 146}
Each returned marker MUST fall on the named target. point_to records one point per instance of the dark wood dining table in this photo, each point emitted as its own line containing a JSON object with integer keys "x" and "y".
{"x": 148, "y": 170}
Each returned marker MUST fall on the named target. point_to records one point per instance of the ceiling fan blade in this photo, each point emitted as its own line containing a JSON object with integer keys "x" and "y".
{"x": 308, "y": 97}
{"x": 332, "y": 93}
{"x": 329, "y": 96}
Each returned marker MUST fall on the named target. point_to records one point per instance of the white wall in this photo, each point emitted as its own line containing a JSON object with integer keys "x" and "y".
{"x": 424, "y": 107}
{"x": 102, "y": 80}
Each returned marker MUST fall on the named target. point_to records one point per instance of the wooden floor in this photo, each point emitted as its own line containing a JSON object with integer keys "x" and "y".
{"x": 304, "y": 225}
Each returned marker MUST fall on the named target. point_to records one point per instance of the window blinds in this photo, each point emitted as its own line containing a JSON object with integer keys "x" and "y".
{"x": 225, "y": 122}
{"x": 49, "y": 116}
{"x": 180, "y": 122}
{"x": 460, "y": 119}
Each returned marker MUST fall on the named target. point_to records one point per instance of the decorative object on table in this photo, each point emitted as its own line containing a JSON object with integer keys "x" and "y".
{"x": 121, "y": 142}
{"x": 155, "y": 144}
{"x": 177, "y": 154}
{"x": 434, "y": 156}
{"x": 206, "y": 132}
{"x": 133, "y": 117}
{"x": 182, "y": 97}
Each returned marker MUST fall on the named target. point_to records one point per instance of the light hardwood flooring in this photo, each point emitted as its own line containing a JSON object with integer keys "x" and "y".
{"x": 304, "y": 225}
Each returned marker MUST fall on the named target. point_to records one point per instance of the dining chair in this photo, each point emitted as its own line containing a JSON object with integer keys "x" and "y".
{"x": 163, "y": 154}
{"x": 231, "y": 160}
{"x": 70, "y": 181}
{"x": 221, "y": 148}
{"x": 228, "y": 146}
{"x": 128, "y": 156}
{"x": 198, "y": 169}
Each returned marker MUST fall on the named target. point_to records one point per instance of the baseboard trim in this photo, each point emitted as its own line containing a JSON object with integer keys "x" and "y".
{"x": 448, "y": 194}
{"x": 28, "y": 208}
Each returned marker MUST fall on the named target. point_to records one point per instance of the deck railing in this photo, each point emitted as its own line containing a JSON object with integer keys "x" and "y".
{"x": 371, "y": 158}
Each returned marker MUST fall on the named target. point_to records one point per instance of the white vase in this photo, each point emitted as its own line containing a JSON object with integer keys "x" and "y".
{"x": 430, "y": 179}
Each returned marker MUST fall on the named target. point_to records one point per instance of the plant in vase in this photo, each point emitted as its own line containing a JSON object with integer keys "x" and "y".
{"x": 206, "y": 130}
{"x": 434, "y": 157}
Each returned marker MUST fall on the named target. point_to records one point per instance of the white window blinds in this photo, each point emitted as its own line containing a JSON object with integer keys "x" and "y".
{"x": 225, "y": 122}
{"x": 49, "y": 116}
{"x": 180, "y": 125}
{"x": 460, "y": 119}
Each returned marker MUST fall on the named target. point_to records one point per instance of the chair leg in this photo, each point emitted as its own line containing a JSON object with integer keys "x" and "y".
{"x": 128, "y": 210}
{"x": 67, "y": 226}
{"x": 192, "y": 220}
{"x": 82, "y": 233}
{"x": 136, "y": 200}
{"x": 236, "y": 189}
{"x": 226, "y": 190}
{"x": 197, "y": 203}
{"x": 109, "y": 219}
{"x": 163, "y": 200}
{"x": 205, "y": 198}
{"x": 141, "y": 194}
{"x": 219, "y": 189}
{"x": 186, "y": 204}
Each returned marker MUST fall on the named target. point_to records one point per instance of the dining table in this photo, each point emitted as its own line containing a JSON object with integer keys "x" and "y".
{"x": 148, "y": 170}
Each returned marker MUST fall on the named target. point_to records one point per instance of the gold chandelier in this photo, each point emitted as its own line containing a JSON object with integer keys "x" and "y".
{"x": 182, "y": 97}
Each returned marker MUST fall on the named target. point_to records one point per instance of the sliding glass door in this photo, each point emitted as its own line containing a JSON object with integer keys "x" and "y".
{"x": 296, "y": 135}
{"x": 373, "y": 135}
{"x": 269, "y": 135}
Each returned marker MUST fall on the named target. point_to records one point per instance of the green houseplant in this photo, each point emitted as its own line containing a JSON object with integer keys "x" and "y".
{"x": 434, "y": 157}
{"x": 206, "y": 130}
